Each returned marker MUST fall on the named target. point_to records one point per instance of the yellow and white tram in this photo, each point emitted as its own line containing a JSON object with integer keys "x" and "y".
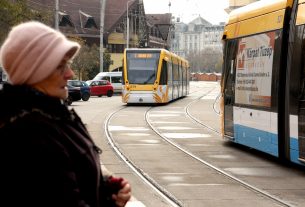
{"x": 154, "y": 76}
{"x": 263, "y": 78}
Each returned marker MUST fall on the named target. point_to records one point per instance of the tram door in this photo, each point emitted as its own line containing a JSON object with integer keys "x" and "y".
{"x": 299, "y": 63}
{"x": 229, "y": 83}
{"x": 301, "y": 115}
{"x": 301, "y": 121}
{"x": 228, "y": 105}
{"x": 170, "y": 80}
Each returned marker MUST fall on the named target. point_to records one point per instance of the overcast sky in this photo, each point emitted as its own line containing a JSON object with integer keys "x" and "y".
{"x": 187, "y": 10}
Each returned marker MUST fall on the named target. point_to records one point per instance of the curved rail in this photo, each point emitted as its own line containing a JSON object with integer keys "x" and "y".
{"x": 153, "y": 184}
{"x": 245, "y": 184}
{"x": 194, "y": 118}
{"x": 148, "y": 180}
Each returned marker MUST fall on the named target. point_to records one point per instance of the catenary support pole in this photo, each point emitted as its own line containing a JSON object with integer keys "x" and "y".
{"x": 56, "y": 14}
{"x": 103, "y": 5}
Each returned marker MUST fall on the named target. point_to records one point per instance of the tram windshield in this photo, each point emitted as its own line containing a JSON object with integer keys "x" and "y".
{"x": 142, "y": 67}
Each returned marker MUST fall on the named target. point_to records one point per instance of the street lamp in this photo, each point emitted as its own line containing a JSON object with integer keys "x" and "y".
{"x": 127, "y": 41}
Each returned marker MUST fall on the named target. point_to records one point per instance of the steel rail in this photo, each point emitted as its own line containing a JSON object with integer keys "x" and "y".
{"x": 138, "y": 171}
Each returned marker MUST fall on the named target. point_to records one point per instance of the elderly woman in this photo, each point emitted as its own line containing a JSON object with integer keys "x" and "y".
{"x": 47, "y": 155}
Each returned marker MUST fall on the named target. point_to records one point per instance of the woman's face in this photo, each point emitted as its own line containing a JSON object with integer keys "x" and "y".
{"x": 55, "y": 84}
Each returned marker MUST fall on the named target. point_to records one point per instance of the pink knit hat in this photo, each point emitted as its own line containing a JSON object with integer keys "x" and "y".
{"x": 32, "y": 51}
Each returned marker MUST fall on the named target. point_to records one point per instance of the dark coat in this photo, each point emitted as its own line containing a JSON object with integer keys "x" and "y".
{"x": 47, "y": 157}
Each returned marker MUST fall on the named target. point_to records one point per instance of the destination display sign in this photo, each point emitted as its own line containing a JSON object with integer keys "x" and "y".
{"x": 143, "y": 55}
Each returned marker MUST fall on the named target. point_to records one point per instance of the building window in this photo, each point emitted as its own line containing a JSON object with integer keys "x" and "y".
{"x": 87, "y": 21}
{"x": 65, "y": 20}
{"x": 115, "y": 48}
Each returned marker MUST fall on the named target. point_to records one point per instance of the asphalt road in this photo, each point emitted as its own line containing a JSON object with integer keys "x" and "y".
{"x": 188, "y": 180}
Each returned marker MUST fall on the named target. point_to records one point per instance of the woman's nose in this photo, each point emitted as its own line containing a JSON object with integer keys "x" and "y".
{"x": 69, "y": 73}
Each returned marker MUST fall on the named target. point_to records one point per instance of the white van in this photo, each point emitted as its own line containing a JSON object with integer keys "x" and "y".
{"x": 115, "y": 78}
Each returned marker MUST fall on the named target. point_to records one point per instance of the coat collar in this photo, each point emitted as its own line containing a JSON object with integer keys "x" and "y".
{"x": 17, "y": 101}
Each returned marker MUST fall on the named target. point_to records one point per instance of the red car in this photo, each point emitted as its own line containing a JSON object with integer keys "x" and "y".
{"x": 100, "y": 88}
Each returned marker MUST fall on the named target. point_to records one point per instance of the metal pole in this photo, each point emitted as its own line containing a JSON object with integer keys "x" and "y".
{"x": 56, "y": 14}
{"x": 127, "y": 41}
{"x": 127, "y": 35}
{"x": 103, "y": 5}
{"x": 169, "y": 7}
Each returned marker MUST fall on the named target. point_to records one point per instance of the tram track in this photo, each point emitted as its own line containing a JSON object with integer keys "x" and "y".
{"x": 219, "y": 170}
{"x": 201, "y": 123}
{"x": 197, "y": 120}
{"x": 154, "y": 184}
{"x": 139, "y": 172}
{"x": 252, "y": 187}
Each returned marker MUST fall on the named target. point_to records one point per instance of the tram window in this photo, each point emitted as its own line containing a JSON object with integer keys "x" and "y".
{"x": 123, "y": 76}
{"x": 169, "y": 71}
{"x": 303, "y": 69}
{"x": 163, "y": 77}
{"x": 142, "y": 68}
{"x": 303, "y": 50}
{"x": 175, "y": 72}
{"x": 184, "y": 74}
{"x": 229, "y": 71}
{"x": 232, "y": 66}
{"x": 178, "y": 72}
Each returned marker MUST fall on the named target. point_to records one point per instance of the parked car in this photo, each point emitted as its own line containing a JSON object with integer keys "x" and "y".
{"x": 100, "y": 88}
{"x": 74, "y": 94}
{"x": 84, "y": 88}
{"x": 115, "y": 78}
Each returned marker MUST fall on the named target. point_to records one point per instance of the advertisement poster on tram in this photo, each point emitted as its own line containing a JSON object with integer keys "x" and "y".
{"x": 254, "y": 70}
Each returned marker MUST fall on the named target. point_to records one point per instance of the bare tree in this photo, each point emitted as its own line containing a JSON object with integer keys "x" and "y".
{"x": 207, "y": 60}
{"x": 15, "y": 12}
{"x": 87, "y": 63}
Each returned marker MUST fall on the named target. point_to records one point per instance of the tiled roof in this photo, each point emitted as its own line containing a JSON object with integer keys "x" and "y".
{"x": 161, "y": 21}
{"x": 159, "y": 18}
{"x": 114, "y": 10}
{"x": 200, "y": 21}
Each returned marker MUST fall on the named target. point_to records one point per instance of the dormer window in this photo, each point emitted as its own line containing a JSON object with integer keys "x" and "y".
{"x": 64, "y": 19}
{"x": 87, "y": 21}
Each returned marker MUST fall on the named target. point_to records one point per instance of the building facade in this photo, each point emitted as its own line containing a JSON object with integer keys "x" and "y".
{"x": 196, "y": 36}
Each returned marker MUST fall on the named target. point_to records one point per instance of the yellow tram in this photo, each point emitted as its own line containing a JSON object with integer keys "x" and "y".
{"x": 154, "y": 76}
